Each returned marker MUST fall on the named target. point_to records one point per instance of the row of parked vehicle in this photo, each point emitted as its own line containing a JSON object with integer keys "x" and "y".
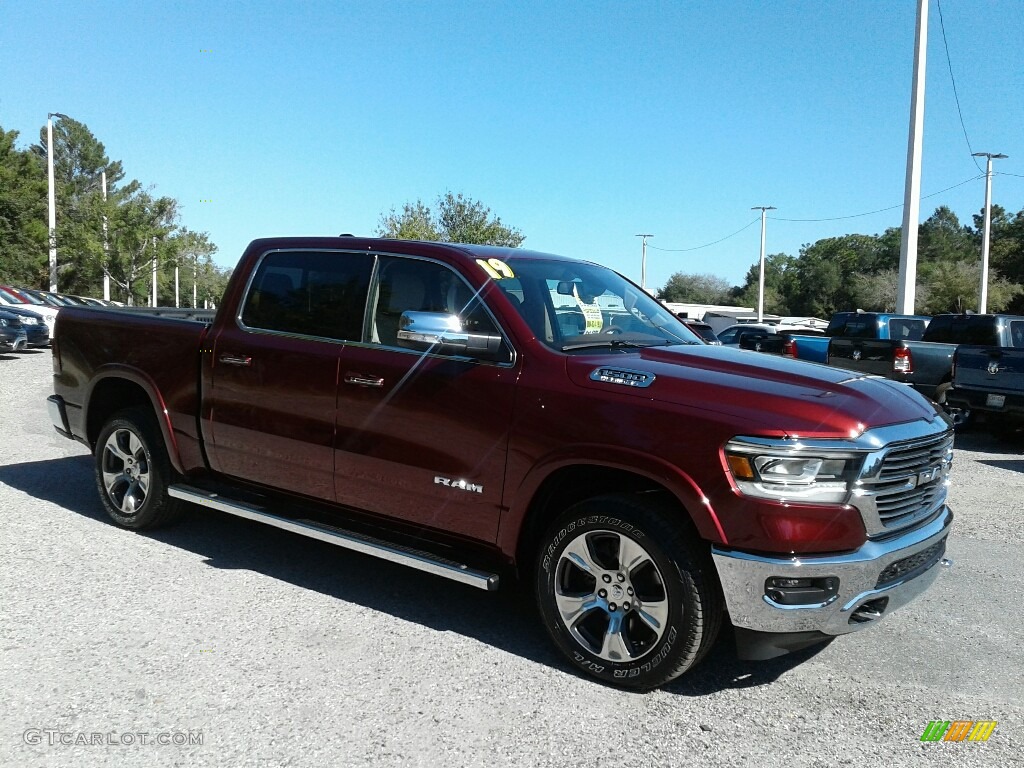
{"x": 27, "y": 316}
{"x": 965, "y": 362}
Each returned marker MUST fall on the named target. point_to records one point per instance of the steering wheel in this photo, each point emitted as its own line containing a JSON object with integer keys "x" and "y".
{"x": 613, "y": 330}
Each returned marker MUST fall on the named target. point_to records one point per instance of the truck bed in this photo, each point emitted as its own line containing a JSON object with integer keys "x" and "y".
{"x": 96, "y": 344}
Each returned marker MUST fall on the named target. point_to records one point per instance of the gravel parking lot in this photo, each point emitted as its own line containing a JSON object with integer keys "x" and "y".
{"x": 274, "y": 650}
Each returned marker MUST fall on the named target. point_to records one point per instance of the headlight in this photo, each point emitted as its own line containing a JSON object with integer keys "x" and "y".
{"x": 28, "y": 321}
{"x": 2, "y": 322}
{"x": 786, "y": 470}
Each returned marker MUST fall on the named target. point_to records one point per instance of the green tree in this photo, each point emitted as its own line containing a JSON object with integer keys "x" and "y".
{"x": 23, "y": 231}
{"x": 415, "y": 222}
{"x": 139, "y": 229}
{"x": 459, "y": 219}
{"x": 695, "y": 289}
{"x": 941, "y": 238}
{"x": 879, "y": 291}
{"x": 780, "y": 283}
{"x": 192, "y": 253}
{"x": 954, "y": 286}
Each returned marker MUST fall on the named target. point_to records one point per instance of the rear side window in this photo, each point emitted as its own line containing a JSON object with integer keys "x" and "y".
{"x": 907, "y": 328}
{"x": 837, "y": 325}
{"x": 967, "y": 330}
{"x": 310, "y": 293}
{"x": 1017, "y": 333}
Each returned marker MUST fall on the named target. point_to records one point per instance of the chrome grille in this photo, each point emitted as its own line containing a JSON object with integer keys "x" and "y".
{"x": 904, "y": 483}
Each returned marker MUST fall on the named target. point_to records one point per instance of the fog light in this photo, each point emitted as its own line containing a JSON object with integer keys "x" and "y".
{"x": 810, "y": 592}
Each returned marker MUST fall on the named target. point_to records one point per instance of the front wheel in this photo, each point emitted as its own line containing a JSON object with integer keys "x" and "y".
{"x": 133, "y": 472}
{"x": 626, "y": 592}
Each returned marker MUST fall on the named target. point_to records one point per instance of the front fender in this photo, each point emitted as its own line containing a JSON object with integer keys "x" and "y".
{"x": 674, "y": 480}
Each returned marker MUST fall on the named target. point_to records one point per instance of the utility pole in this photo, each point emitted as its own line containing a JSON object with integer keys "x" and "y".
{"x": 643, "y": 262}
{"x": 912, "y": 195}
{"x": 106, "y": 244}
{"x": 760, "y": 289}
{"x": 983, "y": 302}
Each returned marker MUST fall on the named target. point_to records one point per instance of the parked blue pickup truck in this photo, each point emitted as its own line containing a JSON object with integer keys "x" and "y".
{"x": 856, "y": 325}
{"x": 990, "y": 380}
{"x": 927, "y": 364}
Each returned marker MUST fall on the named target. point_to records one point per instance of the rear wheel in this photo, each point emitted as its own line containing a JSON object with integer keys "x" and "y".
{"x": 626, "y": 592}
{"x": 133, "y": 472}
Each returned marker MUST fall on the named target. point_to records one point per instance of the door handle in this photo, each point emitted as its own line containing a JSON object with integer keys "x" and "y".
{"x": 242, "y": 360}
{"x": 359, "y": 380}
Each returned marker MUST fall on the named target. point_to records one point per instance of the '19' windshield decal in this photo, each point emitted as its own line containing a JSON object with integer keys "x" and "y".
{"x": 496, "y": 269}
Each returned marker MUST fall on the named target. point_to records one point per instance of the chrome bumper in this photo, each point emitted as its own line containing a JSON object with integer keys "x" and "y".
{"x": 862, "y": 598}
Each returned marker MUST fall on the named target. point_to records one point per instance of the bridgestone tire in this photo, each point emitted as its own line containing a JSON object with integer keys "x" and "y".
{"x": 133, "y": 472}
{"x": 626, "y": 590}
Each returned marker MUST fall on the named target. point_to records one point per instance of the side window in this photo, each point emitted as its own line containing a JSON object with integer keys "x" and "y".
{"x": 906, "y": 329}
{"x": 837, "y": 325}
{"x": 414, "y": 285}
{"x": 939, "y": 329}
{"x": 1017, "y": 333}
{"x": 310, "y": 293}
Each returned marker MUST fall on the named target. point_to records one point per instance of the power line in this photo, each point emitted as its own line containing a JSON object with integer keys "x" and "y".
{"x": 706, "y": 245}
{"x": 833, "y": 218}
{"x": 949, "y": 63}
{"x": 881, "y": 210}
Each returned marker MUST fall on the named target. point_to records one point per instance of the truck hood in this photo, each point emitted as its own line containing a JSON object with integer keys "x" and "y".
{"x": 762, "y": 393}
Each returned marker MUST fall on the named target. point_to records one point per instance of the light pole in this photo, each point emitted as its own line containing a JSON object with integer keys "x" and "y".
{"x": 983, "y": 303}
{"x": 106, "y": 242}
{"x": 907, "y": 288}
{"x": 760, "y": 289}
{"x": 52, "y": 232}
{"x": 643, "y": 262}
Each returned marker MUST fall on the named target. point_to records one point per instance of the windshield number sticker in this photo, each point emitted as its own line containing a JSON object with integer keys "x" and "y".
{"x": 496, "y": 269}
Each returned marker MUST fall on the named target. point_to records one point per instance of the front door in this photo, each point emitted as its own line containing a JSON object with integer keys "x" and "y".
{"x": 423, "y": 437}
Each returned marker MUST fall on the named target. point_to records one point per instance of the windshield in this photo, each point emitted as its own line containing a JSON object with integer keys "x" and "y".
{"x": 32, "y": 298}
{"x": 573, "y": 305}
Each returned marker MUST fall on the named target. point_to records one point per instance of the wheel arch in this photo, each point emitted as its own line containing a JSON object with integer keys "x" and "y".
{"x": 554, "y": 486}
{"x": 115, "y": 388}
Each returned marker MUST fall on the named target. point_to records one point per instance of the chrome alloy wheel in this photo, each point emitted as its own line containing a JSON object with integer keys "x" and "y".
{"x": 611, "y": 596}
{"x": 126, "y": 471}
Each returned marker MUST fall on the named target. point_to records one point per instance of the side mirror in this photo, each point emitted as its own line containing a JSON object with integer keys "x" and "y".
{"x": 443, "y": 334}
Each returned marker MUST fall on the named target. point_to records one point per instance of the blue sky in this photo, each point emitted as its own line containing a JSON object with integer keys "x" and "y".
{"x": 581, "y": 124}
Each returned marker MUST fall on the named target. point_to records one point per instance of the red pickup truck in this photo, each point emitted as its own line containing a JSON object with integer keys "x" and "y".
{"x": 481, "y": 413}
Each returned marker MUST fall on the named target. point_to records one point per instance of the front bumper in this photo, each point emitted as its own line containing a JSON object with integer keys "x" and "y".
{"x": 875, "y": 580}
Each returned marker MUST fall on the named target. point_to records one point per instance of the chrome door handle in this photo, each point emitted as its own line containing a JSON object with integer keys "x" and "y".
{"x": 363, "y": 381}
{"x": 242, "y": 360}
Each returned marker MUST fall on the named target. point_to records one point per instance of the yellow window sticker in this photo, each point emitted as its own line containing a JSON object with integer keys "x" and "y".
{"x": 591, "y": 313}
{"x": 496, "y": 269}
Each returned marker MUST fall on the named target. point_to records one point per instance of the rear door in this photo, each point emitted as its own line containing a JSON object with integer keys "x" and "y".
{"x": 423, "y": 437}
{"x": 271, "y": 396}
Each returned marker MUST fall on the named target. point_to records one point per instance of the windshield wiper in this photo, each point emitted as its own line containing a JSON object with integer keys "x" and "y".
{"x": 615, "y": 344}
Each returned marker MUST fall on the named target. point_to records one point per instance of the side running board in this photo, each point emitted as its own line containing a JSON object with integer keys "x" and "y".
{"x": 396, "y": 553}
